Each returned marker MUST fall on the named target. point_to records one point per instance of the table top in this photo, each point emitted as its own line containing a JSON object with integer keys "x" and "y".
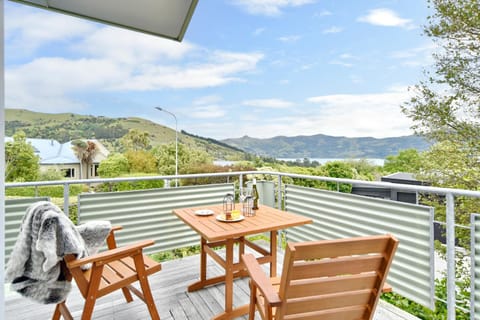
{"x": 266, "y": 219}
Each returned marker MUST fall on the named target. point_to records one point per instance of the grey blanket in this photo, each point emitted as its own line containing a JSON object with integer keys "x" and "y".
{"x": 46, "y": 236}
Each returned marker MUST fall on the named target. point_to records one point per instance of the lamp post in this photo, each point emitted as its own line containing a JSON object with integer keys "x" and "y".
{"x": 176, "y": 141}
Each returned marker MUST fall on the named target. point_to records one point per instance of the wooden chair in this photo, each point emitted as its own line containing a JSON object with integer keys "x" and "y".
{"x": 116, "y": 268}
{"x": 331, "y": 279}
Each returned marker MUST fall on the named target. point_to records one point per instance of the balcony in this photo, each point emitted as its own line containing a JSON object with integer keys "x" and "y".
{"x": 147, "y": 214}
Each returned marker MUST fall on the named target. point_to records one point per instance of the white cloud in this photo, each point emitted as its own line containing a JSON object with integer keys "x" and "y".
{"x": 341, "y": 63}
{"x": 376, "y": 115}
{"x": 207, "y": 100}
{"x": 125, "y": 46}
{"x": 415, "y": 57}
{"x": 344, "y": 60}
{"x": 333, "y": 29}
{"x": 348, "y": 56}
{"x": 291, "y": 38}
{"x": 269, "y": 7}
{"x": 352, "y": 115}
{"x": 268, "y": 103}
{"x": 207, "y": 112}
{"x": 386, "y": 18}
{"x": 27, "y": 29}
{"x": 258, "y": 31}
{"x": 323, "y": 13}
{"x": 46, "y": 83}
{"x": 119, "y": 60}
{"x": 224, "y": 67}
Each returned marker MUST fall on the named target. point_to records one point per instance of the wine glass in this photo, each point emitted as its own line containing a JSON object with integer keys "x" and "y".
{"x": 244, "y": 192}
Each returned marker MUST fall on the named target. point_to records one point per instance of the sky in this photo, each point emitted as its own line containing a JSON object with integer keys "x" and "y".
{"x": 261, "y": 68}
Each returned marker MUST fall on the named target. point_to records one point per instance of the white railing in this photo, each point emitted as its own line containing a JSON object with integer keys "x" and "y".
{"x": 449, "y": 194}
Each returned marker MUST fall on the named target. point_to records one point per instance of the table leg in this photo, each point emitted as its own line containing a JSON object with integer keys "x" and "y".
{"x": 203, "y": 269}
{"x": 203, "y": 260}
{"x": 273, "y": 253}
{"x": 229, "y": 275}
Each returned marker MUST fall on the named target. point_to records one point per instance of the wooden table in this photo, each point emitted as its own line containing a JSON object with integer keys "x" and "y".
{"x": 216, "y": 233}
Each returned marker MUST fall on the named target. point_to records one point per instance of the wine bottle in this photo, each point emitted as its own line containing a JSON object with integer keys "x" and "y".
{"x": 255, "y": 194}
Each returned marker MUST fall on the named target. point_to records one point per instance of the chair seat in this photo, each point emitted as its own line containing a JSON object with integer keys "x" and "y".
{"x": 118, "y": 274}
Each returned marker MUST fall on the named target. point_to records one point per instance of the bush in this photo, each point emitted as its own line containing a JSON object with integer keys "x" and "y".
{"x": 130, "y": 185}
{"x": 43, "y": 191}
{"x": 211, "y": 168}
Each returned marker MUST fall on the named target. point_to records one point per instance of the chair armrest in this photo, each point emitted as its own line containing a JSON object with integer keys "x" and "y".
{"x": 111, "y": 255}
{"x": 116, "y": 228}
{"x": 260, "y": 279}
{"x": 111, "y": 242}
{"x": 386, "y": 288}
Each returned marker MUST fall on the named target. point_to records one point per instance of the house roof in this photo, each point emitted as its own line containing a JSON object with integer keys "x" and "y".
{"x": 53, "y": 152}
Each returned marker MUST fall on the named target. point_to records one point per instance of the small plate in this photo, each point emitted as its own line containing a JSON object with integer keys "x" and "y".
{"x": 204, "y": 212}
{"x": 221, "y": 217}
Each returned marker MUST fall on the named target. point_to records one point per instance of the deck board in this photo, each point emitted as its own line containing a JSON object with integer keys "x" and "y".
{"x": 170, "y": 294}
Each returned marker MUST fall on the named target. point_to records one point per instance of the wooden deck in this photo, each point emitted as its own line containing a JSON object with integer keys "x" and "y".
{"x": 169, "y": 290}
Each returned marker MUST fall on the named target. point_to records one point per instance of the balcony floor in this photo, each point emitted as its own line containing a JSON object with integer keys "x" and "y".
{"x": 169, "y": 290}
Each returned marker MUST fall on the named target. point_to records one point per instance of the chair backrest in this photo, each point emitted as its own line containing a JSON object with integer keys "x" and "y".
{"x": 335, "y": 279}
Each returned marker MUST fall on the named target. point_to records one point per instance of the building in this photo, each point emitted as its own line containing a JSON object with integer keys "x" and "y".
{"x": 58, "y": 156}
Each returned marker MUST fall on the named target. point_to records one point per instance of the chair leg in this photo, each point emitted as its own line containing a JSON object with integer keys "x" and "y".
{"x": 88, "y": 308}
{"x": 253, "y": 298}
{"x": 92, "y": 292}
{"x": 62, "y": 310}
{"x": 127, "y": 295}
{"x": 147, "y": 293}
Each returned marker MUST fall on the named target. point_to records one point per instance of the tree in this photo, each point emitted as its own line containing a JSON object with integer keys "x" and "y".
{"x": 85, "y": 152}
{"x": 136, "y": 140}
{"x": 187, "y": 158}
{"x": 22, "y": 164}
{"x": 141, "y": 161}
{"x": 339, "y": 169}
{"x": 446, "y": 106}
{"x": 115, "y": 165}
{"x": 408, "y": 160}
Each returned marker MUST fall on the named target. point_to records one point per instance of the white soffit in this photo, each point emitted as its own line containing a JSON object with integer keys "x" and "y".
{"x": 164, "y": 18}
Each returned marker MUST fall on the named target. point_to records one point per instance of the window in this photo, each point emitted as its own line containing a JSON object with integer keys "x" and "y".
{"x": 94, "y": 170}
{"x": 69, "y": 172}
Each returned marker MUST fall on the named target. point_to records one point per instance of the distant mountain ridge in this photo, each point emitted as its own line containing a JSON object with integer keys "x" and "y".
{"x": 324, "y": 146}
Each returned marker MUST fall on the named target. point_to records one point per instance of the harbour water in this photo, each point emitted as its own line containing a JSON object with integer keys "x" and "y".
{"x": 322, "y": 161}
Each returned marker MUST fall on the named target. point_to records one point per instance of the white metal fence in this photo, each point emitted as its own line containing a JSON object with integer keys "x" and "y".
{"x": 277, "y": 177}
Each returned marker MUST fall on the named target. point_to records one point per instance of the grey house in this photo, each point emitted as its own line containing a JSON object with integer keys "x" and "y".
{"x": 60, "y": 156}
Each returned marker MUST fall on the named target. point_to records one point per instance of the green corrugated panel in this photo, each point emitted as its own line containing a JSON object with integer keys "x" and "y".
{"x": 14, "y": 211}
{"x": 147, "y": 214}
{"x": 475, "y": 291}
{"x": 340, "y": 215}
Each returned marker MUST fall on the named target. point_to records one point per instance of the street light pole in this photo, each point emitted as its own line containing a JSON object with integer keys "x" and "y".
{"x": 176, "y": 141}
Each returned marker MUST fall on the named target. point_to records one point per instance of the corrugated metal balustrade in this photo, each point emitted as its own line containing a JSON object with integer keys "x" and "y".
{"x": 147, "y": 214}
{"x": 339, "y": 215}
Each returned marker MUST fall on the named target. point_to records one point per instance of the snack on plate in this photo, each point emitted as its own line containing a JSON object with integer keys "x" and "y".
{"x": 235, "y": 214}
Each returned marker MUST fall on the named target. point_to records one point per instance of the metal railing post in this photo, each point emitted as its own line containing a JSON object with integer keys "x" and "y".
{"x": 450, "y": 220}
{"x": 472, "y": 265}
{"x": 279, "y": 192}
{"x": 66, "y": 196}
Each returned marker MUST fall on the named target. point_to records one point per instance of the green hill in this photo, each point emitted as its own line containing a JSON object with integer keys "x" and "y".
{"x": 64, "y": 127}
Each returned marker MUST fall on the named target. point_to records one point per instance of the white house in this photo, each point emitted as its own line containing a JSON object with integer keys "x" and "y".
{"x": 62, "y": 157}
